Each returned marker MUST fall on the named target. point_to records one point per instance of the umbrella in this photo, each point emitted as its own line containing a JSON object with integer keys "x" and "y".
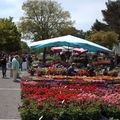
{"x": 79, "y": 50}
{"x": 57, "y": 49}
{"x": 62, "y": 48}
{"x": 70, "y": 41}
{"x": 65, "y": 48}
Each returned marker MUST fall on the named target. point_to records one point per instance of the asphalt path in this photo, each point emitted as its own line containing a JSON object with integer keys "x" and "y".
{"x": 9, "y": 98}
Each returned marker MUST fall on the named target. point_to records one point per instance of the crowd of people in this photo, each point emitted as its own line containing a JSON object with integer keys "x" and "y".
{"x": 15, "y": 63}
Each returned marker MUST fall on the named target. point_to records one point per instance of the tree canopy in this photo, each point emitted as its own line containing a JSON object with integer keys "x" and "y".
{"x": 9, "y": 36}
{"x": 43, "y": 19}
{"x": 99, "y": 26}
{"x": 107, "y": 39}
{"x": 112, "y": 15}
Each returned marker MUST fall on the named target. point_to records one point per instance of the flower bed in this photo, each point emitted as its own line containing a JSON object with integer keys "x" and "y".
{"x": 68, "y": 101}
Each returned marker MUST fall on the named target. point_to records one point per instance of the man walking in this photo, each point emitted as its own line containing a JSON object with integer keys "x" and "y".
{"x": 15, "y": 67}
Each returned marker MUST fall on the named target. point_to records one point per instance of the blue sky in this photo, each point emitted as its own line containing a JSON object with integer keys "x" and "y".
{"x": 83, "y": 12}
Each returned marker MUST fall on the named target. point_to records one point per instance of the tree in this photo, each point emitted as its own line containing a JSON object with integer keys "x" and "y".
{"x": 73, "y": 31}
{"x": 82, "y": 34}
{"x": 9, "y": 36}
{"x": 43, "y": 19}
{"x": 107, "y": 39}
{"x": 112, "y": 15}
{"x": 99, "y": 26}
{"x": 68, "y": 31}
{"x": 24, "y": 47}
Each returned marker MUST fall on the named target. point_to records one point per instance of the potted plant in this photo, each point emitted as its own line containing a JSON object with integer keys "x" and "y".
{"x": 32, "y": 71}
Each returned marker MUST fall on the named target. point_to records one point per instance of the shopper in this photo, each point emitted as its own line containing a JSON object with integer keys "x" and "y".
{"x": 3, "y": 62}
{"x": 15, "y": 67}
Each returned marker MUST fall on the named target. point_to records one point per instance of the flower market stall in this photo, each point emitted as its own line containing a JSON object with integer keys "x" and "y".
{"x": 49, "y": 96}
{"x": 50, "y": 93}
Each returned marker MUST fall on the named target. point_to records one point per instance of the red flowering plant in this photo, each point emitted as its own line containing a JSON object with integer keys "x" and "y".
{"x": 112, "y": 105}
{"x": 57, "y": 71}
{"x": 61, "y": 99}
{"x": 68, "y": 101}
{"x": 83, "y": 72}
{"x": 51, "y": 70}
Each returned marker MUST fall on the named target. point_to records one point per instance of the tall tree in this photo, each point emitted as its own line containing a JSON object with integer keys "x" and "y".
{"x": 99, "y": 26}
{"x": 112, "y": 15}
{"x": 9, "y": 36}
{"x": 43, "y": 19}
{"x": 68, "y": 31}
{"x": 107, "y": 39}
{"x": 73, "y": 31}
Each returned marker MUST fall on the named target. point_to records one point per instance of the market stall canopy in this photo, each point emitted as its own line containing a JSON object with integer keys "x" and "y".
{"x": 70, "y": 41}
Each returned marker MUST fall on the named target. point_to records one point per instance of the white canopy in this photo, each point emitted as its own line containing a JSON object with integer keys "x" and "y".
{"x": 70, "y": 41}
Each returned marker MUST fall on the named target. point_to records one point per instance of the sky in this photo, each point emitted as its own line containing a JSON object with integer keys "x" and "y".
{"x": 83, "y": 12}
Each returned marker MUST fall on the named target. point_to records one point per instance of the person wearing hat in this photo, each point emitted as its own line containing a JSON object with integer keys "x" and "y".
{"x": 15, "y": 67}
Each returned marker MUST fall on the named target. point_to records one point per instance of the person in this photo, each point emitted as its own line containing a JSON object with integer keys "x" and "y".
{"x": 24, "y": 63}
{"x": 20, "y": 60}
{"x": 105, "y": 72}
{"x": 15, "y": 67}
{"x": 111, "y": 62}
{"x": 10, "y": 64}
{"x": 90, "y": 69}
{"x": 29, "y": 61}
{"x": 3, "y": 61}
{"x": 71, "y": 70}
{"x": 85, "y": 61}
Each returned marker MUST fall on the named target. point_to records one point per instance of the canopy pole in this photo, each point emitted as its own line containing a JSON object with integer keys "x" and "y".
{"x": 44, "y": 56}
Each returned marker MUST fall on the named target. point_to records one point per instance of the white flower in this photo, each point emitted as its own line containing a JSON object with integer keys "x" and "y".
{"x": 41, "y": 118}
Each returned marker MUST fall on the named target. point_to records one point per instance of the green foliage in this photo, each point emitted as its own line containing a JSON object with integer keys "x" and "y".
{"x": 112, "y": 15}
{"x": 50, "y": 112}
{"x": 99, "y": 26}
{"x": 43, "y": 19}
{"x": 29, "y": 111}
{"x": 9, "y": 36}
{"x": 24, "y": 47}
{"x": 111, "y": 111}
{"x": 68, "y": 31}
{"x": 107, "y": 39}
{"x": 73, "y": 31}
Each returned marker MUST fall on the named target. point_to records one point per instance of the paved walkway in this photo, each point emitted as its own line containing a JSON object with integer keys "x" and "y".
{"x": 9, "y": 99}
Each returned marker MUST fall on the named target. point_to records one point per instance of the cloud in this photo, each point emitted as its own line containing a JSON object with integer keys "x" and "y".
{"x": 84, "y": 12}
{"x": 11, "y": 8}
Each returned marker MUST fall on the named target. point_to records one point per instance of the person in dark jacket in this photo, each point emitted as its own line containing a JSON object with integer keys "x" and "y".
{"x": 3, "y": 62}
